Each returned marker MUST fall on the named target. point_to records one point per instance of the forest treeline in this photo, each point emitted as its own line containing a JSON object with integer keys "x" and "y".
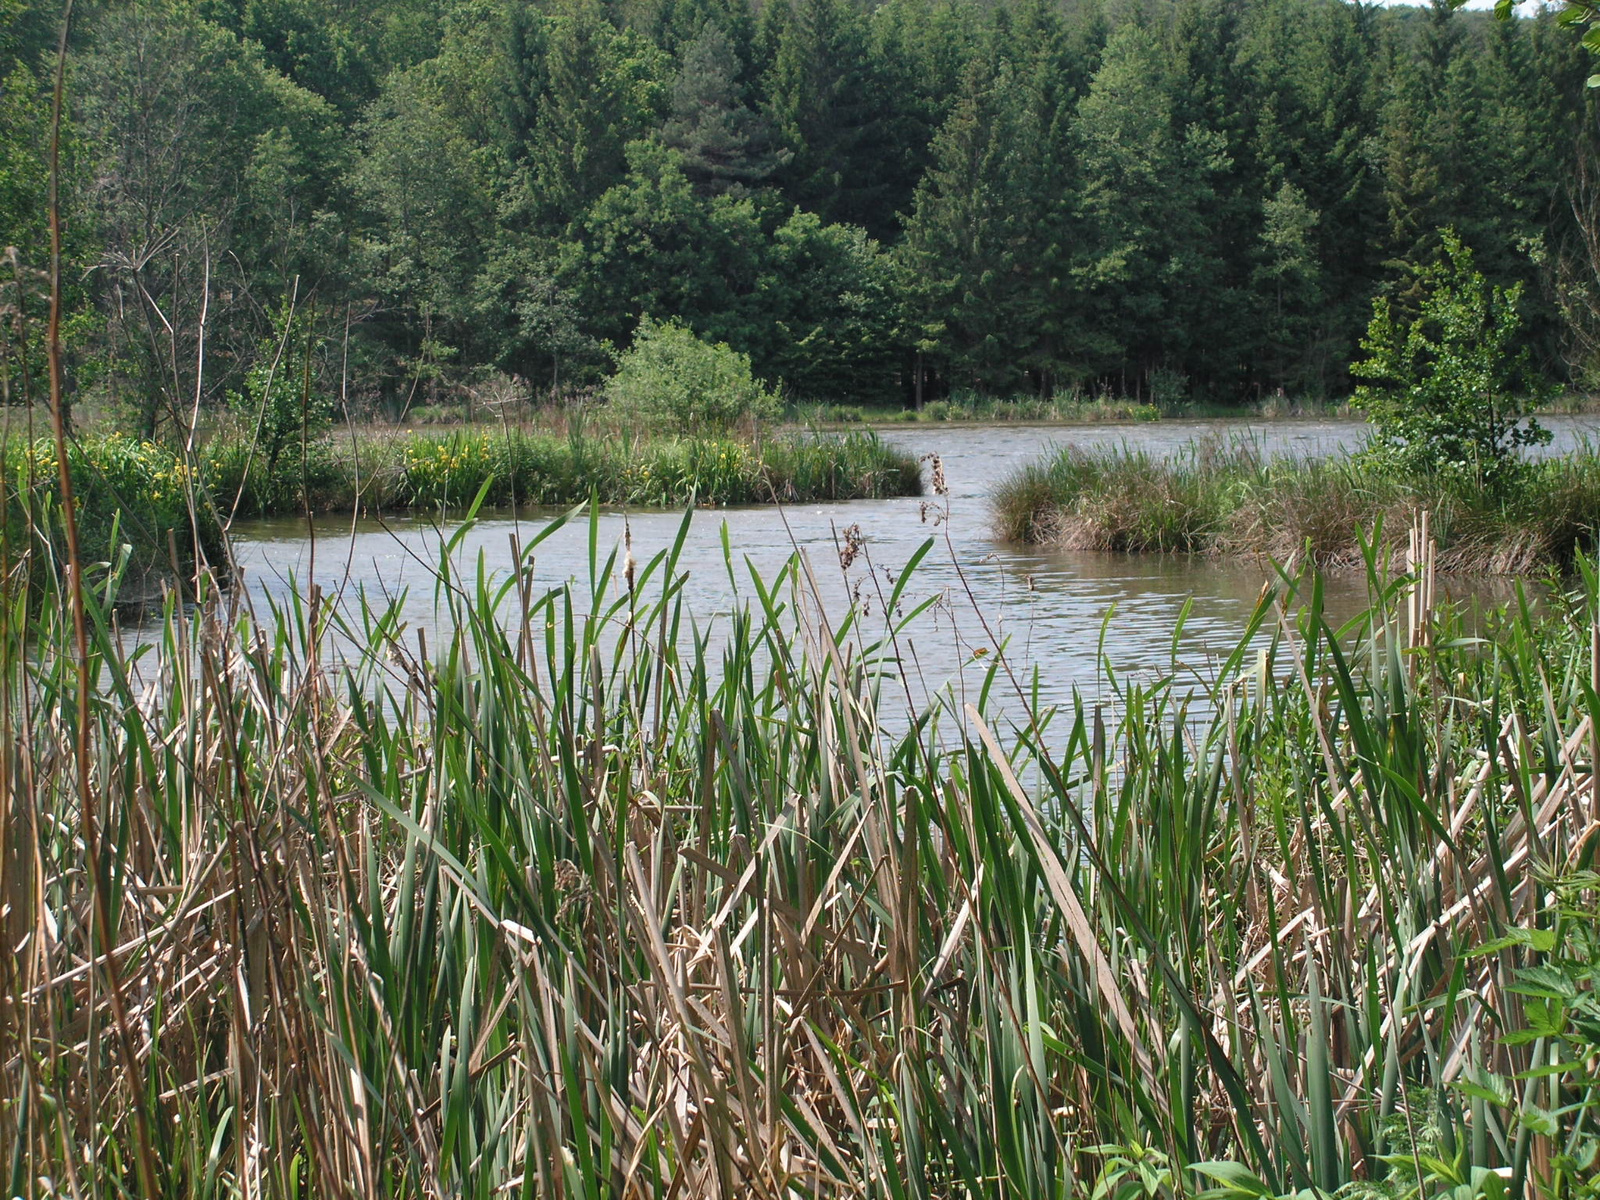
{"x": 1151, "y": 198}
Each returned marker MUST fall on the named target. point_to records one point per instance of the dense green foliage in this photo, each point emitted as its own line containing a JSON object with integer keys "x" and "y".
{"x": 135, "y": 498}
{"x": 576, "y": 900}
{"x": 449, "y": 470}
{"x": 1181, "y": 199}
{"x": 138, "y": 507}
{"x": 1448, "y": 391}
{"x": 674, "y": 379}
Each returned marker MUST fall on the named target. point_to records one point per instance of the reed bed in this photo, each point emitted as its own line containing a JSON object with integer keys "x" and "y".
{"x": 566, "y": 905}
{"x": 1067, "y": 407}
{"x": 1227, "y": 499}
{"x": 430, "y": 470}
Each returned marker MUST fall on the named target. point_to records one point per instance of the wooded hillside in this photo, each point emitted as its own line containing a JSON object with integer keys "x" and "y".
{"x": 1163, "y": 199}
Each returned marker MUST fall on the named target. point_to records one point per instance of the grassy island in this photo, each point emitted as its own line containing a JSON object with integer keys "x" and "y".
{"x": 1230, "y": 500}
{"x": 1450, "y": 392}
{"x": 429, "y": 470}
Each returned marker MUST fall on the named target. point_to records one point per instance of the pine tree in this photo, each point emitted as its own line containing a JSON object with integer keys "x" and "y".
{"x": 1314, "y": 74}
{"x": 723, "y": 143}
{"x": 986, "y": 241}
{"x": 602, "y": 90}
{"x": 1213, "y": 90}
{"x": 1287, "y": 279}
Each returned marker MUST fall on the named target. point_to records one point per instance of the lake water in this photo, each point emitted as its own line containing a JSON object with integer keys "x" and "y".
{"x": 1049, "y": 607}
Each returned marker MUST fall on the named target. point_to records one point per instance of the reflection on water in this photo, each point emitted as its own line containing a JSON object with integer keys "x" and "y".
{"x": 1050, "y": 608}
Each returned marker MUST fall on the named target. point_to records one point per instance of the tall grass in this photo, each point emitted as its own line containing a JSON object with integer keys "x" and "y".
{"x": 1226, "y": 498}
{"x": 567, "y": 904}
{"x": 128, "y": 493}
{"x": 1067, "y": 406}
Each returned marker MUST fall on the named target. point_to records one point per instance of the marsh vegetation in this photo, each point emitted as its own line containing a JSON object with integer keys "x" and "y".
{"x": 563, "y": 904}
{"x": 1225, "y": 498}
{"x": 590, "y": 889}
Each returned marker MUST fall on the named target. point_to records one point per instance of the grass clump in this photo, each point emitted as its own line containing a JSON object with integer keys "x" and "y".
{"x": 1227, "y": 499}
{"x": 1097, "y": 500}
{"x": 1067, "y": 406}
{"x": 574, "y": 905}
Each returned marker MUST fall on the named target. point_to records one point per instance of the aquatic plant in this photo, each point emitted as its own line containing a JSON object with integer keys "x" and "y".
{"x": 569, "y": 903}
{"x": 136, "y": 500}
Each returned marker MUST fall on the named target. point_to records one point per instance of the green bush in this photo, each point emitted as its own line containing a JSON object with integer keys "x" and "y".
{"x": 242, "y": 481}
{"x": 671, "y": 377}
{"x": 1448, "y": 394}
{"x": 281, "y": 405}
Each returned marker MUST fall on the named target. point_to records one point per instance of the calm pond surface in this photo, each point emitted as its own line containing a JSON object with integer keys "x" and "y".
{"x": 1050, "y": 606}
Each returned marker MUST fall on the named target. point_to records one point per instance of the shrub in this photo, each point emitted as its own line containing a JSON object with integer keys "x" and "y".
{"x": 280, "y": 406}
{"x": 244, "y": 482}
{"x": 672, "y": 377}
{"x": 1447, "y": 393}
{"x": 1169, "y": 389}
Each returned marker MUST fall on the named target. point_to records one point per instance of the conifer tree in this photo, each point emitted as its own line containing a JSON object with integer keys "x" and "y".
{"x": 826, "y": 97}
{"x": 602, "y": 89}
{"x": 1287, "y": 278}
{"x": 955, "y": 241}
{"x": 723, "y": 143}
{"x": 1142, "y": 203}
{"x": 1213, "y": 90}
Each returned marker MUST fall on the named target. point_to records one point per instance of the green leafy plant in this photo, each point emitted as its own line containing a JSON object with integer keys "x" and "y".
{"x": 279, "y": 407}
{"x": 1446, "y": 389}
{"x": 1169, "y": 389}
{"x": 132, "y": 496}
{"x": 1555, "y": 1098}
{"x": 1235, "y": 1181}
{"x": 1133, "y": 1171}
{"x": 670, "y": 376}
{"x": 1428, "y": 1158}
